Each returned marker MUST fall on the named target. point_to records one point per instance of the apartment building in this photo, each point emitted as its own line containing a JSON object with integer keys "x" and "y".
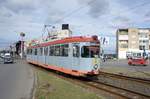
{"x": 132, "y": 39}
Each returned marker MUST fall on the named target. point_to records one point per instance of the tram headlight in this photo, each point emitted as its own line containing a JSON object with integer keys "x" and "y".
{"x": 95, "y": 66}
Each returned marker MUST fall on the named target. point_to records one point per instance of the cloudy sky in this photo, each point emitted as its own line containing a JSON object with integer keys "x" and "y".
{"x": 86, "y": 17}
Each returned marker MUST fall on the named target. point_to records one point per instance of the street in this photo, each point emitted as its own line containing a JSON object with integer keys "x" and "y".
{"x": 16, "y": 80}
{"x": 124, "y": 64}
{"x": 122, "y": 67}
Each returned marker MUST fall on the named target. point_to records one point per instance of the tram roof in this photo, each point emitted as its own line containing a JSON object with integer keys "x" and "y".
{"x": 67, "y": 40}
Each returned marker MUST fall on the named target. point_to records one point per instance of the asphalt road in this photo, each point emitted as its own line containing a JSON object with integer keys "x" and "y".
{"x": 16, "y": 80}
{"x": 124, "y": 64}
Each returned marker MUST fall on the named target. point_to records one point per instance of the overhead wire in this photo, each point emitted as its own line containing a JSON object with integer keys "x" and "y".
{"x": 68, "y": 15}
{"x": 92, "y": 1}
{"x": 74, "y": 11}
{"x": 126, "y": 10}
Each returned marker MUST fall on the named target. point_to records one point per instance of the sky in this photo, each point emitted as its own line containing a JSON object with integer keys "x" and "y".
{"x": 85, "y": 17}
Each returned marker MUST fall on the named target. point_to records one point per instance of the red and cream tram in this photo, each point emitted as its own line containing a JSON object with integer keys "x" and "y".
{"x": 78, "y": 56}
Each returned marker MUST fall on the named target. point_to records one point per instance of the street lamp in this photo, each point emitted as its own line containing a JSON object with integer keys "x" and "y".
{"x": 22, "y": 35}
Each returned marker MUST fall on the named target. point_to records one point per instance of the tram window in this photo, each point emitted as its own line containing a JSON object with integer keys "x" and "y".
{"x": 51, "y": 50}
{"x": 31, "y": 51}
{"x": 28, "y": 51}
{"x": 60, "y": 50}
{"x": 76, "y": 51}
{"x": 85, "y": 51}
{"x": 35, "y": 52}
{"x": 46, "y": 51}
{"x": 57, "y": 50}
{"x": 41, "y": 51}
{"x": 38, "y": 51}
{"x": 64, "y": 49}
{"x": 90, "y": 51}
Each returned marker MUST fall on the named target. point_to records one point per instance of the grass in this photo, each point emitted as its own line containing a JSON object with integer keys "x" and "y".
{"x": 52, "y": 87}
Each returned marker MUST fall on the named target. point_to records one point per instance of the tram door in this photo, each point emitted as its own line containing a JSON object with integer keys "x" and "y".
{"x": 76, "y": 56}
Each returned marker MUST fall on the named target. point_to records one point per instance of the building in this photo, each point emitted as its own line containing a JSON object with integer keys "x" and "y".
{"x": 59, "y": 34}
{"x": 132, "y": 39}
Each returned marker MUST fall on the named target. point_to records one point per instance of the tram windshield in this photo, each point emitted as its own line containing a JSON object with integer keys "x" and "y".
{"x": 90, "y": 51}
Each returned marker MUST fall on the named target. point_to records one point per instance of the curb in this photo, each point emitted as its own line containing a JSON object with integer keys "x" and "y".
{"x": 34, "y": 86}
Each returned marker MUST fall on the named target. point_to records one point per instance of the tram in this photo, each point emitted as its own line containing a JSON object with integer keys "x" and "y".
{"x": 78, "y": 56}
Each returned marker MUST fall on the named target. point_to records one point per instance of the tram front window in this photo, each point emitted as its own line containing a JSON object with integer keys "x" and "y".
{"x": 90, "y": 51}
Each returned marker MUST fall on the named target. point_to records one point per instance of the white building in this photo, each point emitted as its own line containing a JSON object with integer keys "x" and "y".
{"x": 132, "y": 39}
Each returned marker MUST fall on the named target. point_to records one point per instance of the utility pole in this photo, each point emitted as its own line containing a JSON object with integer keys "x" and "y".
{"x": 22, "y": 35}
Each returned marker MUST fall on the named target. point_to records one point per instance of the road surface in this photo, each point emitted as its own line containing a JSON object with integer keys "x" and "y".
{"x": 124, "y": 64}
{"x": 16, "y": 80}
{"x": 122, "y": 67}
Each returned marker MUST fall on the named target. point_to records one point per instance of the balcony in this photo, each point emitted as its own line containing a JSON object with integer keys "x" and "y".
{"x": 123, "y": 37}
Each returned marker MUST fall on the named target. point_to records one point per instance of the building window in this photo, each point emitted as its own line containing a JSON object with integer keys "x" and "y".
{"x": 141, "y": 47}
{"x": 143, "y": 35}
{"x": 123, "y": 44}
{"x": 123, "y": 33}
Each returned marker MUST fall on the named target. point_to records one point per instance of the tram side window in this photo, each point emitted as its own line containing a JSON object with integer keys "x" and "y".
{"x": 41, "y": 51}
{"x": 57, "y": 50}
{"x": 28, "y": 51}
{"x": 76, "y": 50}
{"x": 38, "y": 51}
{"x": 46, "y": 51}
{"x": 60, "y": 50}
{"x": 35, "y": 52}
{"x": 51, "y": 51}
{"x": 85, "y": 51}
{"x": 65, "y": 48}
{"x": 31, "y": 51}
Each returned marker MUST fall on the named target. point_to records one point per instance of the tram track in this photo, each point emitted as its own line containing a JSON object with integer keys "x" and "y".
{"x": 134, "y": 85}
{"x": 135, "y": 79}
{"x": 98, "y": 87}
{"x": 124, "y": 93}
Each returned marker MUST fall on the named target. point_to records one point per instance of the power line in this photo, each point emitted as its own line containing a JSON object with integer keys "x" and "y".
{"x": 123, "y": 11}
{"x": 68, "y": 15}
{"x": 74, "y": 11}
{"x": 92, "y": 1}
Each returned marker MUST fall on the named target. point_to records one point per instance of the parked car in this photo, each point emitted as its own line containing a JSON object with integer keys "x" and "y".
{"x": 8, "y": 58}
{"x": 1, "y": 55}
